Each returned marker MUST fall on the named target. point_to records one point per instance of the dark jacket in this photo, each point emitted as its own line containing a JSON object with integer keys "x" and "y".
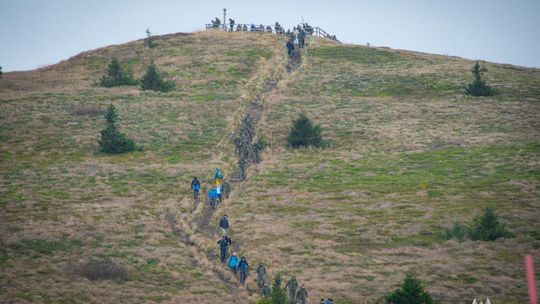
{"x": 243, "y": 265}
{"x": 224, "y": 223}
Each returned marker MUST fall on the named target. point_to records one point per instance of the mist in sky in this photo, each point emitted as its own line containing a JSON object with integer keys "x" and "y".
{"x": 41, "y": 32}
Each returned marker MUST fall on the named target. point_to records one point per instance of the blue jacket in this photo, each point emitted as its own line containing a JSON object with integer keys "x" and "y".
{"x": 213, "y": 194}
{"x": 233, "y": 261}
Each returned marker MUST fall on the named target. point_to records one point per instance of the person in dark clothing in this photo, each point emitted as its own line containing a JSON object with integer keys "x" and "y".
{"x": 290, "y": 47}
{"x": 226, "y": 189}
{"x": 261, "y": 275}
{"x": 224, "y": 225}
{"x": 224, "y": 244}
{"x": 292, "y": 286}
{"x": 195, "y": 186}
{"x": 242, "y": 268}
{"x": 231, "y": 23}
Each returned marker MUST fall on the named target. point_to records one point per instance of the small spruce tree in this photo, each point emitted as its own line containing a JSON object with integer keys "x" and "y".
{"x": 116, "y": 76}
{"x": 277, "y": 295}
{"x": 487, "y": 227}
{"x": 411, "y": 292}
{"x": 112, "y": 141}
{"x": 304, "y": 134}
{"x": 478, "y": 87}
{"x": 152, "y": 80}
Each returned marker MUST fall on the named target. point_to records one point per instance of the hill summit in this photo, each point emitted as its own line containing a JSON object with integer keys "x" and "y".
{"x": 408, "y": 154}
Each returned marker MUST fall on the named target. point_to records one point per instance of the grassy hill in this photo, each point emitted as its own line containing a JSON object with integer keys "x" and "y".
{"x": 409, "y": 154}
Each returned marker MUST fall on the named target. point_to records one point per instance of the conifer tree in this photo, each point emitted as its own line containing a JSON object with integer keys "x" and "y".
{"x": 487, "y": 227}
{"x": 478, "y": 87}
{"x": 1, "y": 72}
{"x": 304, "y": 133}
{"x": 113, "y": 141}
{"x": 116, "y": 76}
{"x": 152, "y": 80}
{"x": 277, "y": 295}
{"x": 411, "y": 292}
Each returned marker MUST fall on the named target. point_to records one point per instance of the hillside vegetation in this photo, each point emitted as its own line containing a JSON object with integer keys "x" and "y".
{"x": 409, "y": 154}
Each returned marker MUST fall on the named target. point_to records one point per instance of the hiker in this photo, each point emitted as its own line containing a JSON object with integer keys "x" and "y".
{"x": 290, "y": 47}
{"x": 292, "y": 285}
{"x": 252, "y": 28}
{"x": 216, "y": 22}
{"x": 239, "y": 28}
{"x": 279, "y": 28}
{"x": 261, "y": 275}
{"x": 224, "y": 244}
{"x": 224, "y": 225}
{"x": 244, "y": 28}
{"x": 218, "y": 176}
{"x": 195, "y": 186}
{"x": 268, "y": 29}
{"x": 261, "y": 28}
{"x": 243, "y": 267}
{"x": 231, "y": 23}
{"x": 233, "y": 263}
{"x": 266, "y": 291}
{"x": 226, "y": 188}
{"x": 301, "y": 295}
{"x": 213, "y": 196}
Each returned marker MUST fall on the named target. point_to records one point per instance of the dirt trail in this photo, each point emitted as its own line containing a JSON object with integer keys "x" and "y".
{"x": 195, "y": 229}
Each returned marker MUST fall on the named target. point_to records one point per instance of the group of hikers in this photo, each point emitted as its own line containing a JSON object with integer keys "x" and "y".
{"x": 239, "y": 266}
{"x": 219, "y": 190}
{"x": 277, "y": 28}
{"x": 298, "y": 37}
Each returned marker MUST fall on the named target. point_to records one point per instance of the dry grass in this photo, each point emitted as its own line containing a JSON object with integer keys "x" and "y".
{"x": 410, "y": 154}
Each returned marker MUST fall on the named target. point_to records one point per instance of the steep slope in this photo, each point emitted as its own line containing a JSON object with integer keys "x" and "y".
{"x": 64, "y": 204}
{"x": 408, "y": 155}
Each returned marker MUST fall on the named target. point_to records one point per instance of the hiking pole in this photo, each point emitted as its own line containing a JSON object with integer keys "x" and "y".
{"x": 530, "y": 279}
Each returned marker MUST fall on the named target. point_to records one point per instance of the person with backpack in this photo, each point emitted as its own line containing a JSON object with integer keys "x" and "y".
{"x": 242, "y": 268}
{"x": 261, "y": 275}
{"x": 213, "y": 196}
{"x": 224, "y": 244}
{"x": 226, "y": 189}
{"x": 233, "y": 263}
{"x": 291, "y": 286}
{"x": 301, "y": 295}
{"x": 195, "y": 186}
{"x": 290, "y": 46}
{"x": 224, "y": 225}
{"x": 231, "y": 23}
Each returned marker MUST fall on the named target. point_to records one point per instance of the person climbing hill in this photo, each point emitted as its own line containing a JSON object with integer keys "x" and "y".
{"x": 243, "y": 267}
{"x": 233, "y": 263}
{"x": 213, "y": 196}
{"x": 224, "y": 244}
{"x": 291, "y": 286}
{"x": 226, "y": 189}
{"x": 224, "y": 225}
{"x": 301, "y": 295}
{"x": 218, "y": 176}
{"x": 261, "y": 275}
{"x": 195, "y": 186}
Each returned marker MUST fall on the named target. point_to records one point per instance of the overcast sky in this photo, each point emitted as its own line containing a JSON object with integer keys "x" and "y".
{"x": 34, "y": 33}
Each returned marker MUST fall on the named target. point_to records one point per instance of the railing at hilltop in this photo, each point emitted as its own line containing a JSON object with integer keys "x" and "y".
{"x": 261, "y": 28}
{"x": 317, "y": 31}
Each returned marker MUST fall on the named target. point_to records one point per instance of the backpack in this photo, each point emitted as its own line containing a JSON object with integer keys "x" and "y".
{"x": 196, "y": 186}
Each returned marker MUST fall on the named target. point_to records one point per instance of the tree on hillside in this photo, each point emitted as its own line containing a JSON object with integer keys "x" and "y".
{"x": 411, "y": 292}
{"x": 304, "y": 134}
{"x": 487, "y": 227}
{"x": 152, "y": 80}
{"x": 149, "y": 41}
{"x": 112, "y": 141}
{"x": 116, "y": 76}
{"x": 478, "y": 87}
{"x": 277, "y": 296}
{"x": 1, "y": 72}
